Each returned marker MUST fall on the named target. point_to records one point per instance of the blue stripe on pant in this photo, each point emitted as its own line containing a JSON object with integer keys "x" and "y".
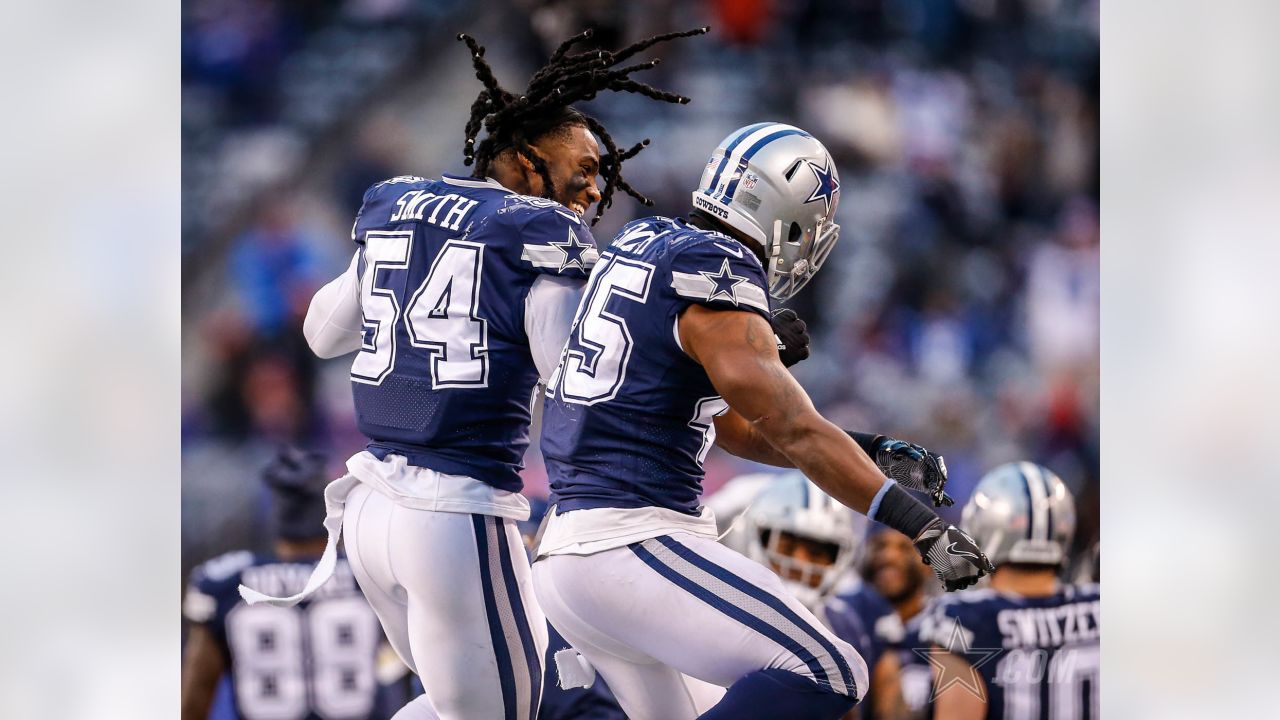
{"x": 531, "y": 656}
{"x": 506, "y": 673}
{"x": 723, "y": 605}
{"x": 765, "y": 597}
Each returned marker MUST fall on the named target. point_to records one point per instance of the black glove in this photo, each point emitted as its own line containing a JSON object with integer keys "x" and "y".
{"x": 912, "y": 467}
{"x": 792, "y": 334}
{"x": 953, "y": 555}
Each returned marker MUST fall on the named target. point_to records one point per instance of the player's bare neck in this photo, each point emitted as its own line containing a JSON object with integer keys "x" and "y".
{"x": 1025, "y": 581}
{"x": 699, "y": 219}
{"x": 507, "y": 171}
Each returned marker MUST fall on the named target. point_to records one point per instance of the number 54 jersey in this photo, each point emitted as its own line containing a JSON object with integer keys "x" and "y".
{"x": 447, "y": 273}
{"x": 628, "y": 418}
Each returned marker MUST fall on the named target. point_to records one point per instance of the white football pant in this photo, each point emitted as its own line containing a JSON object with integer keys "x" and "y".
{"x": 454, "y": 594}
{"x": 645, "y": 613}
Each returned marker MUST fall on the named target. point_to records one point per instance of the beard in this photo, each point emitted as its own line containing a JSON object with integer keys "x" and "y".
{"x": 910, "y": 586}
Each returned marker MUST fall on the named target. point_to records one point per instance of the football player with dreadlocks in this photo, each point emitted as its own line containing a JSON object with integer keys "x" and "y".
{"x": 456, "y": 302}
{"x": 672, "y": 350}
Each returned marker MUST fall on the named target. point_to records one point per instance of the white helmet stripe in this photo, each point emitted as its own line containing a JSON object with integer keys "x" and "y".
{"x": 730, "y": 144}
{"x": 724, "y": 171}
{"x": 1038, "y": 489}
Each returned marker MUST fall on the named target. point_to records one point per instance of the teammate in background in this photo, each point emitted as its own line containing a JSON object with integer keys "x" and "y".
{"x": 894, "y": 573}
{"x": 1033, "y": 640}
{"x": 810, "y": 541}
{"x": 311, "y": 661}
{"x": 456, "y": 301}
{"x": 671, "y": 350}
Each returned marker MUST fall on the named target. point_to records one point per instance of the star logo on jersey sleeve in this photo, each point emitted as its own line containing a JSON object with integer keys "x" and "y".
{"x": 577, "y": 254}
{"x": 945, "y": 675}
{"x": 724, "y": 284}
{"x": 828, "y": 185}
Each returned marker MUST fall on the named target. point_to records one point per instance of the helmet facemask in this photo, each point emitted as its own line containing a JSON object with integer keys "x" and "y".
{"x": 793, "y": 263}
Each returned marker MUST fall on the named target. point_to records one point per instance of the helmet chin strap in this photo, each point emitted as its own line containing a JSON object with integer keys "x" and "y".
{"x": 774, "y": 252}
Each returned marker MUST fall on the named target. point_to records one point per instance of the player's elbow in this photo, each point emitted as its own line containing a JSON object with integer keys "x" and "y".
{"x": 326, "y": 339}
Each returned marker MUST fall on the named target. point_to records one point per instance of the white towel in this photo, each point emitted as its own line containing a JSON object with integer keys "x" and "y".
{"x": 335, "y": 499}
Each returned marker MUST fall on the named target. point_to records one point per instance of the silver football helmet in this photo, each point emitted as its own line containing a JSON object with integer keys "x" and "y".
{"x": 778, "y": 185}
{"x": 792, "y": 505}
{"x": 1021, "y": 513}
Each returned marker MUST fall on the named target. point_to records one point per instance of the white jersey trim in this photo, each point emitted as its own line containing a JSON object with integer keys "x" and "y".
{"x": 413, "y": 487}
{"x": 421, "y": 488}
{"x": 701, "y": 286}
{"x": 486, "y": 183}
{"x": 586, "y": 532}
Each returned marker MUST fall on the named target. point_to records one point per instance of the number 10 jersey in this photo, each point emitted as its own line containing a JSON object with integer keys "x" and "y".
{"x": 629, "y": 416}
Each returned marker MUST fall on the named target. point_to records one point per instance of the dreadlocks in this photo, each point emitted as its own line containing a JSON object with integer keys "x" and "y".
{"x": 512, "y": 121}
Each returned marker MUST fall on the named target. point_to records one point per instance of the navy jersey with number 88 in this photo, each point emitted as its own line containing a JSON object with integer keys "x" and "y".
{"x": 629, "y": 416}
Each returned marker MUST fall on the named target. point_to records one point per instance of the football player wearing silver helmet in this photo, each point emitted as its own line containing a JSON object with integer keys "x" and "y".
{"x": 672, "y": 350}
{"x": 1032, "y": 639}
{"x": 802, "y": 534}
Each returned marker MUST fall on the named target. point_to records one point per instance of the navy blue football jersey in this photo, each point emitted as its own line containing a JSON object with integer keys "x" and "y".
{"x": 445, "y": 376}
{"x": 1039, "y": 657}
{"x": 915, "y": 674}
{"x": 628, "y": 418}
{"x": 873, "y": 613}
{"x": 315, "y": 660}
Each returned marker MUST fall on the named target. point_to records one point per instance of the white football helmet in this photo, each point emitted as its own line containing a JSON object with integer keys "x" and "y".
{"x": 778, "y": 185}
{"x": 1021, "y": 512}
{"x": 793, "y": 505}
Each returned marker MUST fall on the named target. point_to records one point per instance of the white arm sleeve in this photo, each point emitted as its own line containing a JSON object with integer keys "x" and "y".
{"x": 548, "y": 314}
{"x": 333, "y": 325}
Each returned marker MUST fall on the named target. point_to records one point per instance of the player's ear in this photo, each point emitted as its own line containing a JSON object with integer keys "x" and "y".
{"x": 532, "y": 179}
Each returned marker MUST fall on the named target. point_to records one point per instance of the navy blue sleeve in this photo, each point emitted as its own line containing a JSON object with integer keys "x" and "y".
{"x": 553, "y": 239}
{"x": 721, "y": 274}
{"x": 212, "y": 590}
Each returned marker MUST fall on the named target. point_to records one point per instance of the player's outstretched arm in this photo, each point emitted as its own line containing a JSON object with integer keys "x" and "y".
{"x": 333, "y": 323}
{"x": 202, "y": 668}
{"x": 740, "y": 355}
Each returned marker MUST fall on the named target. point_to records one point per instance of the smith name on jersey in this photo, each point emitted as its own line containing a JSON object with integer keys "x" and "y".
{"x": 315, "y": 660}
{"x": 1039, "y": 657}
{"x": 445, "y": 375}
{"x": 628, "y": 420}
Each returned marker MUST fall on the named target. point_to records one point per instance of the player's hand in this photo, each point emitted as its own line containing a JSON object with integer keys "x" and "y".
{"x": 913, "y": 468}
{"x": 792, "y": 334}
{"x": 955, "y": 558}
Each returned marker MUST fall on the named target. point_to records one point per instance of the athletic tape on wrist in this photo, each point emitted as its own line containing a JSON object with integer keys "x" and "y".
{"x": 897, "y": 509}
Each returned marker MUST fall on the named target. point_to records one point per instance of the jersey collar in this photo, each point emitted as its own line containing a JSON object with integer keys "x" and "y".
{"x": 474, "y": 183}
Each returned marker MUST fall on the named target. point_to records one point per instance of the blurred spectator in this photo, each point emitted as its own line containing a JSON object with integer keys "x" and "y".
{"x": 273, "y": 268}
{"x": 960, "y": 308}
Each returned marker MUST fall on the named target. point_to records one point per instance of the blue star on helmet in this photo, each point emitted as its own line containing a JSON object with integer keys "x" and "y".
{"x": 828, "y": 184}
{"x": 724, "y": 283}
{"x": 576, "y": 253}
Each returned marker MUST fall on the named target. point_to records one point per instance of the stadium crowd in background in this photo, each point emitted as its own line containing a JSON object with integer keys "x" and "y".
{"x": 960, "y": 308}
